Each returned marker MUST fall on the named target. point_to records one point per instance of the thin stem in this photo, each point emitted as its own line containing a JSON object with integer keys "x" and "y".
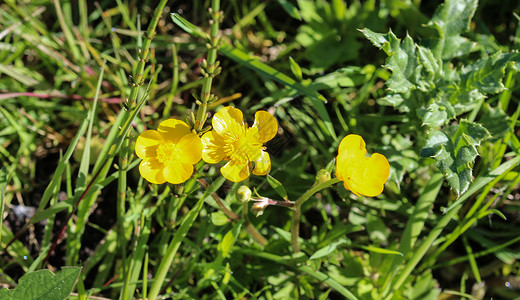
{"x": 144, "y": 52}
{"x": 253, "y": 232}
{"x": 210, "y": 66}
{"x": 295, "y": 226}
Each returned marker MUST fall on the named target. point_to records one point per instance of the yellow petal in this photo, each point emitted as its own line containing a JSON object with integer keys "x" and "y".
{"x": 146, "y": 143}
{"x": 235, "y": 171}
{"x": 266, "y": 124}
{"x": 352, "y": 147}
{"x": 371, "y": 179}
{"x": 178, "y": 172}
{"x": 251, "y": 146}
{"x": 229, "y": 123}
{"x": 152, "y": 170}
{"x": 361, "y": 175}
{"x": 172, "y": 130}
{"x": 351, "y": 152}
{"x": 191, "y": 148}
{"x": 212, "y": 148}
{"x": 262, "y": 165}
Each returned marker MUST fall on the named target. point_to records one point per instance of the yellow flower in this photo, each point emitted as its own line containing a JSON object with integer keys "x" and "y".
{"x": 232, "y": 140}
{"x": 361, "y": 174}
{"x": 168, "y": 153}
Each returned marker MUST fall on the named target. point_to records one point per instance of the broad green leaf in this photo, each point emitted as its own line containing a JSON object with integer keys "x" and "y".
{"x": 486, "y": 74}
{"x": 43, "y": 284}
{"x": 277, "y": 187}
{"x": 402, "y": 60}
{"x": 496, "y": 121}
{"x": 450, "y": 20}
{"x": 436, "y": 114}
{"x": 455, "y": 150}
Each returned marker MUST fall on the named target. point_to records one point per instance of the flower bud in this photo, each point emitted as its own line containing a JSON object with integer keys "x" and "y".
{"x": 244, "y": 194}
{"x": 322, "y": 176}
{"x": 259, "y": 206}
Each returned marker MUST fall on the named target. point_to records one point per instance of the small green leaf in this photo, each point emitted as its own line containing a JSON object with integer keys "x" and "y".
{"x": 491, "y": 211}
{"x": 328, "y": 249}
{"x": 295, "y": 69}
{"x": 187, "y": 26}
{"x": 219, "y": 219}
{"x": 43, "y": 284}
{"x": 224, "y": 247}
{"x": 51, "y": 211}
{"x": 377, "y": 250}
{"x": 290, "y": 9}
{"x": 277, "y": 186}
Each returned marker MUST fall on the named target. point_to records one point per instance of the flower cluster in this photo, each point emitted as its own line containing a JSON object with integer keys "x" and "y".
{"x": 170, "y": 152}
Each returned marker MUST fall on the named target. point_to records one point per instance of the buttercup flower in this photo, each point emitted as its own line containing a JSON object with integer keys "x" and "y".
{"x": 232, "y": 140}
{"x": 361, "y": 174}
{"x": 169, "y": 152}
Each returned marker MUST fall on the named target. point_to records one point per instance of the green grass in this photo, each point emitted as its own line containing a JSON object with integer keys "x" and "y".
{"x": 79, "y": 81}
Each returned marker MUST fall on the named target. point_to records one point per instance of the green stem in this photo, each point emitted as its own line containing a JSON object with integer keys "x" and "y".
{"x": 121, "y": 199}
{"x": 295, "y": 226}
{"x": 211, "y": 66}
{"x": 144, "y": 52}
{"x": 167, "y": 260}
{"x": 253, "y": 232}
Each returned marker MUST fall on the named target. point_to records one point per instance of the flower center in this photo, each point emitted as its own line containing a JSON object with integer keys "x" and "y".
{"x": 166, "y": 152}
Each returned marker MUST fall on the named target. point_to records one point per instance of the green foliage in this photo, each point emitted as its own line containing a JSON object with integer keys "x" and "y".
{"x": 81, "y": 80}
{"x": 427, "y": 86}
{"x": 43, "y": 284}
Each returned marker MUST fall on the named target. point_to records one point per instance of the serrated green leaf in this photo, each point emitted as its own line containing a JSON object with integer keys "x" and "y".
{"x": 455, "y": 150}
{"x": 404, "y": 62}
{"x": 450, "y": 20}
{"x": 277, "y": 187}
{"x": 486, "y": 74}
{"x": 43, "y": 284}
{"x": 433, "y": 115}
